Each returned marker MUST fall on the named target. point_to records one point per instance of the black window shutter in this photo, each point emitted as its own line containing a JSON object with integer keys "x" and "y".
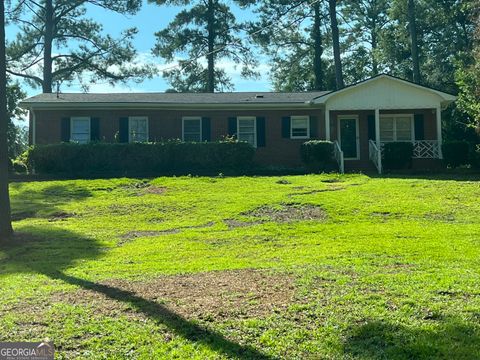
{"x": 419, "y": 127}
{"x": 65, "y": 129}
{"x": 313, "y": 127}
{"x": 123, "y": 130}
{"x": 95, "y": 129}
{"x": 372, "y": 132}
{"x": 261, "y": 135}
{"x": 232, "y": 126}
{"x": 206, "y": 129}
{"x": 286, "y": 127}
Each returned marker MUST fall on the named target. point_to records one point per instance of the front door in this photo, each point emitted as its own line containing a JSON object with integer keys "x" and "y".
{"x": 348, "y": 135}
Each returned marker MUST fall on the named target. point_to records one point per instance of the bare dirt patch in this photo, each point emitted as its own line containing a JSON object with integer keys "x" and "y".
{"x": 207, "y": 296}
{"x": 131, "y": 235}
{"x": 60, "y": 216}
{"x": 158, "y": 190}
{"x": 331, "y": 181}
{"x": 233, "y": 223}
{"x": 385, "y": 215}
{"x": 288, "y": 213}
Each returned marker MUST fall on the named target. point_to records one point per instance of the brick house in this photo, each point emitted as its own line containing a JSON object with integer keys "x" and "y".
{"x": 359, "y": 119}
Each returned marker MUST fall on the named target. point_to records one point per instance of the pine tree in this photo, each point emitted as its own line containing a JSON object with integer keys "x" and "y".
{"x": 295, "y": 36}
{"x": 205, "y": 31}
{"x": 58, "y": 43}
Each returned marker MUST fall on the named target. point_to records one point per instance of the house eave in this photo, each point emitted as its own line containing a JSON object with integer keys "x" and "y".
{"x": 164, "y": 106}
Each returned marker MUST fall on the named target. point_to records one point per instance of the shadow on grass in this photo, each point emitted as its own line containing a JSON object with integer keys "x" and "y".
{"x": 50, "y": 252}
{"x": 448, "y": 338}
{"x": 453, "y": 175}
{"x": 45, "y": 201}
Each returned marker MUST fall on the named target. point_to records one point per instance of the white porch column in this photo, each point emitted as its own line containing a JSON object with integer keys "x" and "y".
{"x": 377, "y": 127}
{"x": 439, "y": 131}
{"x": 377, "y": 139}
{"x": 327, "y": 124}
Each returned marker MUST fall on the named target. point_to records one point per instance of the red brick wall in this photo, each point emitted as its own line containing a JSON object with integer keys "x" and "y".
{"x": 167, "y": 124}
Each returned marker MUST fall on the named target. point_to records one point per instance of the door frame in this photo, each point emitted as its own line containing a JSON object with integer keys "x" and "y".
{"x": 357, "y": 137}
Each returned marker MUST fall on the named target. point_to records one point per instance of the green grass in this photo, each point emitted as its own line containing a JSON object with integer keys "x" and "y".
{"x": 391, "y": 270}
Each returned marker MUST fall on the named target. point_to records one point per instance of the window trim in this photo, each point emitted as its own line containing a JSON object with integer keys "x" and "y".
{"x": 395, "y": 116}
{"x": 357, "y": 137}
{"x": 130, "y": 129}
{"x": 298, "y": 117}
{"x": 254, "y": 128}
{"x": 72, "y": 119}
{"x": 192, "y": 118}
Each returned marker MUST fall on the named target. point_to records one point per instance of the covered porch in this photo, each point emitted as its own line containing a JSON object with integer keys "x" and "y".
{"x": 362, "y": 118}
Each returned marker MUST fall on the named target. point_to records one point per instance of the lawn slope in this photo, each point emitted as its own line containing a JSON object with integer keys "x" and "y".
{"x": 297, "y": 267}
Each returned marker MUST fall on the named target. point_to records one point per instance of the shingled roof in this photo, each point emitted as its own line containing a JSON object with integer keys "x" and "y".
{"x": 175, "y": 98}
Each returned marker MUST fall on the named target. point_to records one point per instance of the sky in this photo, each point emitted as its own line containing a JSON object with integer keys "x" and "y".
{"x": 150, "y": 19}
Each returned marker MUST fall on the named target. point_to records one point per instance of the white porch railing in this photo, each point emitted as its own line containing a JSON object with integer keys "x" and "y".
{"x": 338, "y": 154}
{"x": 375, "y": 155}
{"x": 424, "y": 149}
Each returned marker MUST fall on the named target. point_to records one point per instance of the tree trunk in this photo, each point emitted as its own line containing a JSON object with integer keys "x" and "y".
{"x": 5, "y": 215}
{"x": 47, "y": 51}
{"x": 211, "y": 46}
{"x": 317, "y": 39}
{"x": 374, "y": 44}
{"x": 374, "y": 54}
{"x": 414, "y": 41}
{"x": 336, "y": 43}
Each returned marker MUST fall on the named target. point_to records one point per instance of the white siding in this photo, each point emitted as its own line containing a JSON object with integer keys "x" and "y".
{"x": 383, "y": 93}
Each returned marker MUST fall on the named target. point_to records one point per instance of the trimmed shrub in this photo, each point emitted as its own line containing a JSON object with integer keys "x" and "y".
{"x": 475, "y": 156}
{"x": 456, "y": 153}
{"x": 170, "y": 157}
{"x": 397, "y": 155}
{"x": 318, "y": 155}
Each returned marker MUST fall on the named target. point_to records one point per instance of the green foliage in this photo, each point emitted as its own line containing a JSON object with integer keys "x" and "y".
{"x": 17, "y": 135}
{"x": 456, "y": 153}
{"x": 468, "y": 79}
{"x": 397, "y": 155}
{"x": 155, "y": 158}
{"x": 475, "y": 156}
{"x": 80, "y": 49}
{"x": 318, "y": 155}
{"x": 199, "y": 28}
{"x": 292, "y": 43}
{"x": 368, "y": 20}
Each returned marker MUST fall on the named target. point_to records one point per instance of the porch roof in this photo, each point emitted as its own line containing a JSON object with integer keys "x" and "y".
{"x": 385, "y": 92}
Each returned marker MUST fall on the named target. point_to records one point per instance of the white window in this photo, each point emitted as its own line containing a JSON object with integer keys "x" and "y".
{"x": 300, "y": 127}
{"x": 396, "y": 128}
{"x": 247, "y": 129}
{"x": 80, "y": 129}
{"x": 192, "y": 128}
{"x": 137, "y": 129}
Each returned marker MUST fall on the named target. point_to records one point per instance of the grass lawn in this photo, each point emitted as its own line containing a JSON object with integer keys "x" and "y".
{"x": 297, "y": 267}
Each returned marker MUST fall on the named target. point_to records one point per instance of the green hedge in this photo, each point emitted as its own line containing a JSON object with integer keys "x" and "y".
{"x": 397, "y": 155}
{"x": 476, "y": 156}
{"x": 147, "y": 158}
{"x": 318, "y": 155}
{"x": 456, "y": 153}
